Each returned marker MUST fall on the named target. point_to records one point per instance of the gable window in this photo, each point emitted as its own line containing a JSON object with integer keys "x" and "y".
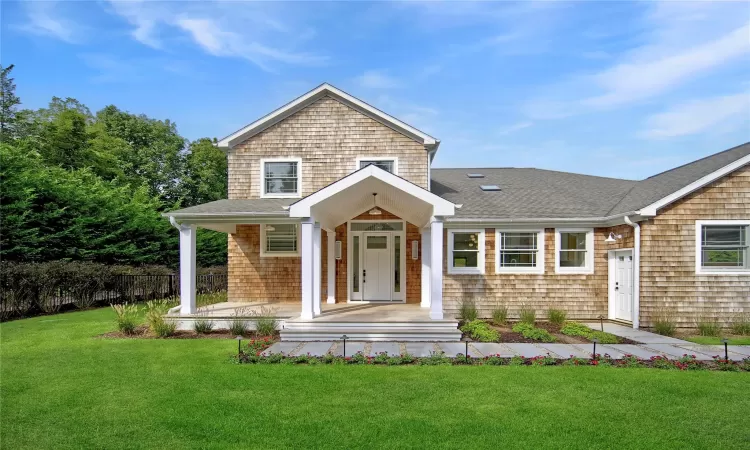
{"x": 520, "y": 251}
{"x": 279, "y": 239}
{"x": 722, "y": 246}
{"x": 574, "y": 250}
{"x": 387, "y": 164}
{"x": 466, "y": 251}
{"x": 281, "y": 177}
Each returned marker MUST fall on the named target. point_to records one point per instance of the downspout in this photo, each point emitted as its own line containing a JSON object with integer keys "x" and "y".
{"x": 636, "y": 272}
{"x": 175, "y": 224}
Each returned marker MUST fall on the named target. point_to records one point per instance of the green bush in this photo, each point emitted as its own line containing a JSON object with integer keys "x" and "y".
{"x": 127, "y": 317}
{"x": 155, "y": 311}
{"x": 604, "y": 337}
{"x": 708, "y": 326}
{"x": 578, "y": 329}
{"x": 741, "y": 324}
{"x": 500, "y": 315}
{"x": 238, "y": 326}
{"x": 203, "y": 325}
{"x": 556, "y": 316}
{"x": 527, "y": 315}
{"x": 467, "y": 310}
{"x": 480, "y": 331}
{"x": 664, "y": 325}
{"x": 531, "y": 332}
{"x": 265, "y": 321}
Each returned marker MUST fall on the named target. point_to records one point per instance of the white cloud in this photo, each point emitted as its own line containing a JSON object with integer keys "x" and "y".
{"x": 45, "y": 19}
{"x": 373, "y": 79}
{"x": 723, "y": 113}
{"x": 513, "y": 128}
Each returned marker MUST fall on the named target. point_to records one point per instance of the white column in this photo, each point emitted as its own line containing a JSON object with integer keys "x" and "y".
{"x": 436, "y": 270}
{"x": 317, "y": 275}
{"x": 187, "y": 269}
{"x": 331, "y": 291}
{"x": 306, "y": 252}
{"x": 425, "y": 268}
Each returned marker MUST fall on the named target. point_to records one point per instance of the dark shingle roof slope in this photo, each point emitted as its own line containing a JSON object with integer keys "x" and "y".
{"x": 259, "y": 206}
{"x": 659, "y": 186}
{"x": 528, "y": 193}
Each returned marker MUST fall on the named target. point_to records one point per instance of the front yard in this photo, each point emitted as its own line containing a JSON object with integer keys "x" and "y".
{"x": 62, "y": 387}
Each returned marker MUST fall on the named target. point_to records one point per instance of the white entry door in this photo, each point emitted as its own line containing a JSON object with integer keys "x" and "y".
{"x": 376, "y": 267}
{"x": 623, "y": 288}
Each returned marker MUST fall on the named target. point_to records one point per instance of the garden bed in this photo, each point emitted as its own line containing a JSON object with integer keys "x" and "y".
{"x": 508, "y": 335}
{"x": 143, "y": 332}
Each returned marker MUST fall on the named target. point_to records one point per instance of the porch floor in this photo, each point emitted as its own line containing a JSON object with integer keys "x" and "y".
{"x": 337, "y": 312}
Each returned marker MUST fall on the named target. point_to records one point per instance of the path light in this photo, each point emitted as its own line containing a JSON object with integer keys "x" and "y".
{"x": 466, "y": 340}
{"x": 344, "y": 338}
{"x": 239, "y": 344}
{"x": 601, "y": 322}
{"x": 593, "y": 355}
{"x": 725, "y": 341}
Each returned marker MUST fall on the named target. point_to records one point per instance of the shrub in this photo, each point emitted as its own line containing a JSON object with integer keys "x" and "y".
{"x": 265, "y": 321}
{"x": 630, "y": 361}
{"x": 531, "y": 332}
{"x": 127, "y": 317}
{"x": 604, "y": 337}
{"x": 578, "y": 329}
{"x": 516, "y": 361}
{"x": 467, "y": 310}
{"x": 435, "y": 359}
{"x": 480, "y": 331}
{"x": 546, "y": 360}
{"x": 237, "y": 324}
{"x": 664, "y": 324}
{"x": 556, "y": 316}
{"x": 155, "y": 311}
{"x": 708, "y": 326}
{"x": 741, "y": 324}
{"x": 527, "y": 315}
{"x": 203, "y": 325}
{"x": 500, "y": 315}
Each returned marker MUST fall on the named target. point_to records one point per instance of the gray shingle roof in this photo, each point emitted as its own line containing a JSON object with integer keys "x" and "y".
{"x": 259, "y": 206}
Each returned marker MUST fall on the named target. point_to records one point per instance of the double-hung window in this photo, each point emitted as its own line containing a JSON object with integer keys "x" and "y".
{"x": 281, "y": 177}
{"x": 466, "y": 251}
{"x": 722, "y": 246}
{"x": 574, "y": 250}
{"x": 520, "y": 251}
{"x": 387, "y": 164}
{"x": 279, "y": 239}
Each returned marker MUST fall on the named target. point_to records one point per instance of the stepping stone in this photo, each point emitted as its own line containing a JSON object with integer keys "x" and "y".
{"x": 489, "y": 348}
{"x": 420, "y": 349}
{"x": 610, "y": 350}
{"x": 712, "y": 350}
{"x": 657, "y": 339}
{"x": 671, "y": 351}
{"x": 565, "y": 351}
{"x": 315, "y": 348}
{"x": 352, "y": 348}
{"x": 391, "y": 348}
{"x": 739, "y": 349}
{"x": 281, "y": 347}
{"x": 527, "y": 350}
{"x": 452, "y": 349}
{"x": 635, "y": 350}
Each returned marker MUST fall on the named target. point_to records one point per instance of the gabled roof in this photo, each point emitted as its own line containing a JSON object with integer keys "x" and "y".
{"x": 311, "y": 97}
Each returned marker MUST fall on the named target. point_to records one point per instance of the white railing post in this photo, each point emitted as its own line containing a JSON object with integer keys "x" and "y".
{"x": 436, "y": 269}
{"x": 307, "y": 257}
{"x": 317, "y": 275}
{"x": 426, "y": 280}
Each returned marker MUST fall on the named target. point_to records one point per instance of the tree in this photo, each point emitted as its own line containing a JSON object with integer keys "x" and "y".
{"x": 9, "y": 102}
{"x": 206, "y": 173}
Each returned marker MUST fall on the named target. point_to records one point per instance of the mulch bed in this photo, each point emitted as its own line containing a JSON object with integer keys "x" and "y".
{"x": 142, "y": 332}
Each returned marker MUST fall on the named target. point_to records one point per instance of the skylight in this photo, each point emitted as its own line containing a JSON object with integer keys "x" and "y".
{"x": 475, "y": 175}
{"x": 489, "y": 187}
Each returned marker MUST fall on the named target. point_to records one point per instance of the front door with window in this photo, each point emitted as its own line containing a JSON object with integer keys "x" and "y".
{"x": 376, "y": 267}
{"x": 623, "y": 285}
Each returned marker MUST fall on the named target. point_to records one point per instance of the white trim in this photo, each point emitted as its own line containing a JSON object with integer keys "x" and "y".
{"x": 651, "y": 209}
{"x": 479, "y": 270}
{"x": 426, "y": 241}
{"x": 379, "y": 159}
{"x": 262, "y": 191}
{"x": 307, "y": 228}
{"x": 266, "y": 254}
{"x": 539, "y": 269}
{"x": 441, "y": 207}
{"x": 331, "y": 266}
{"x": 636, "y": 272}
{"x": 436, "y": 272}
{"x": 314, "y": 95}
{"x": 590, "y": 250}
{"x": 699, "y": 269}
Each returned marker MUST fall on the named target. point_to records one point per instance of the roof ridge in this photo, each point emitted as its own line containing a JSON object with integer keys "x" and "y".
{"x": 696, "y": 161}
{"x": 533, "y": 168}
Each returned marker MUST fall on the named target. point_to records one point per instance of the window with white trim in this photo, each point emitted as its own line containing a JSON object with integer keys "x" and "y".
{"x": 466, "y": 251}
{"x": 574, "y": 250}
{"x": 279, "y": 239}
{"x": 281, "y": 178}
{"x": 387, "y": 164}
{"x": 722, "y": 246}
{"x": 520, "y": 251}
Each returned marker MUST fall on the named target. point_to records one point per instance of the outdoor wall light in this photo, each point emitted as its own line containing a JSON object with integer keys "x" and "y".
{"x": 415, "y": 250}
{"x": 613, "y": 238}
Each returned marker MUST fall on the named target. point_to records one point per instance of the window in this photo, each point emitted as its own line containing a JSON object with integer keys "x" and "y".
{"x": 574, "y": 250}
{"x": 466, "y": 251}
{"x": 520, "y": 251}
{"x": 722, "y": 246}
{"x": 281, "y": 177}
{"x": 279, "y": 239}
{"x": 355, "y": 263}
{"x": 388, "y": 164}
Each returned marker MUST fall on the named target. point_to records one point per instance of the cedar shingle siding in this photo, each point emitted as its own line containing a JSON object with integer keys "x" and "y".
{"x": 668, "y": 278}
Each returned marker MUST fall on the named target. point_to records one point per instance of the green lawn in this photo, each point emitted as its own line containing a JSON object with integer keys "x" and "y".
{"x": 712, "y": 340}
{"x": 64, "y": 388}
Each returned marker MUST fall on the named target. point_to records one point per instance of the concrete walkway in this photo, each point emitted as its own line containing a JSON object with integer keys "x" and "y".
{"x": 640, "y": 336}
{"x": 507, "y": 350}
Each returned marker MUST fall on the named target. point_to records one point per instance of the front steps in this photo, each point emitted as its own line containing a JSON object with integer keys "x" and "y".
{"x": 403, "y": 331}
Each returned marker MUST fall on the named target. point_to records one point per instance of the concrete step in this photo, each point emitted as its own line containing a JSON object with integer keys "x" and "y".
{"x": 382, "y": 334}
{"x": 335, "y": 325}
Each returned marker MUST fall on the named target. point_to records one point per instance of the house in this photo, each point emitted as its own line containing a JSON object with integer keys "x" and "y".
{"x": 334, "y": 203}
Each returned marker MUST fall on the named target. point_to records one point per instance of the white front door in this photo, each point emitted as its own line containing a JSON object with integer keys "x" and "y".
{"x": 376, "y": 267}
{"x": 623, "y": 288}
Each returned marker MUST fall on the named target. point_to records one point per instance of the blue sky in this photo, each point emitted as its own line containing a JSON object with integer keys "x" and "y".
{"x": 607, "y": 88}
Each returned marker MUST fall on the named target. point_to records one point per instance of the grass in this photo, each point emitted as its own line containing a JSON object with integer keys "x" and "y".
{"x": 62, "y": 387}
{"x": 715, "y": 340}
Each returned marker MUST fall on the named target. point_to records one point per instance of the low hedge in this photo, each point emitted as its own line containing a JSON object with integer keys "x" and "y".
{"x": 578, "y": 329}
{"x": 531, "y": 332}
{"x": 478, "y": 330}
